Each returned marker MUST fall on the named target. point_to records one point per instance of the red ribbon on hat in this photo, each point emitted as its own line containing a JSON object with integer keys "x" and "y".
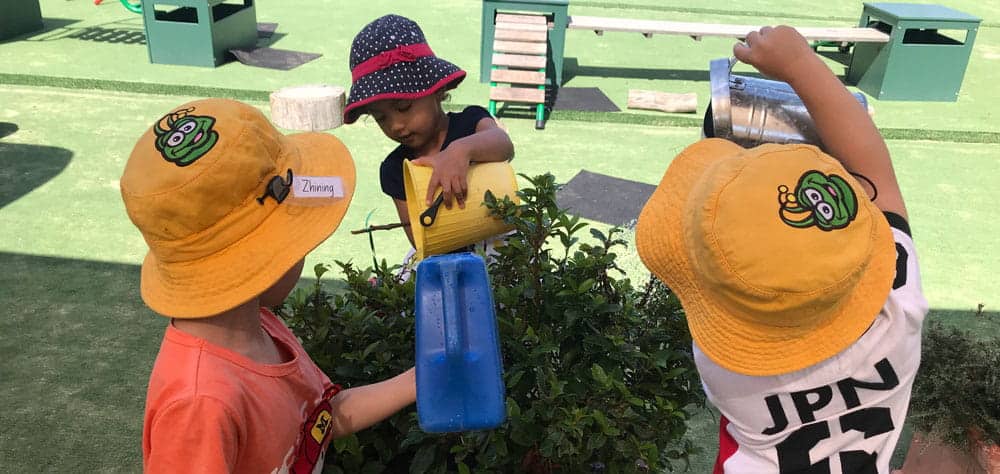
{"x": 403, "y": 53}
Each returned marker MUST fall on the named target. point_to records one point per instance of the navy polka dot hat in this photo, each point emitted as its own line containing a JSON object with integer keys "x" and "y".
{"x": 390, "y": 59}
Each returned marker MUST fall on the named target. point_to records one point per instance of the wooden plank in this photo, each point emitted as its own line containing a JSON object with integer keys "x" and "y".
{"x": 514, "y": 76}
{"x": 535, "y": 19}
{"x": 648, "y": 27}
{"x": 521, "y": 35}
{"x": 518, "y": 94}
{"x": 662, "y": 101}
{"x": 520, "y": 47}
{"x": 519, "y": 61}
{"x": 853, "y": 35}
{"x": 521, "y": 27}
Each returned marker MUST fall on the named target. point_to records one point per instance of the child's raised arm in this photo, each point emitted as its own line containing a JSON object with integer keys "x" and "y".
{"x": 847, "y": 131}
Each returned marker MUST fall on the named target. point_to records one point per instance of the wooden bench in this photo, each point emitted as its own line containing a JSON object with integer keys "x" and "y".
{"x": 903, "y": 58}
{"x": 697, "y": 30}
{"x": 520, "y": 55}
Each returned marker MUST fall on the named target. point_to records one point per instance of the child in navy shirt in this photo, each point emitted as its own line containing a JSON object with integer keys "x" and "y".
{"x": 399, "y": 81}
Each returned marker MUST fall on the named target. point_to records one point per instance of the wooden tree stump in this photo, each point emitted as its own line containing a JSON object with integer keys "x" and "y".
{"x": 662, "y": 101}
{"x": 311, "y": 108}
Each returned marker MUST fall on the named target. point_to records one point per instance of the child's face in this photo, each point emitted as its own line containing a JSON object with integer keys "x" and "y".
{"x": 416, "y": 123}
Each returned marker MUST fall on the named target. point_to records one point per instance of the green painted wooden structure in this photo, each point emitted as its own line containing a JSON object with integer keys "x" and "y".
{"x": 919, "y": 62}
{"x": 18, "y": 17}
{"x": 197, "y": 32}
{"x": 555, "y": 9}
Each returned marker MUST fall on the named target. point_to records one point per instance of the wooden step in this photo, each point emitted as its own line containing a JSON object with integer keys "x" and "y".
{"x": 521, "y": 35}
{"x": 520, "y": 47}
{"x": 518, "y": 94}
{"x": 521, "y": 26}
{"x": 519, "y": 61}
{"x": 513, "y": 76}
{"x": 520, "y": 18}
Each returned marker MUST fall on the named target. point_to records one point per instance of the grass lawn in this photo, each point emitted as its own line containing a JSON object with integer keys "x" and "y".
{"x": 78, "y": 343}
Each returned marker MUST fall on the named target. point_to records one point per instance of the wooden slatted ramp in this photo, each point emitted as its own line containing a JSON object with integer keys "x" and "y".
{"x": 520, "y": 54}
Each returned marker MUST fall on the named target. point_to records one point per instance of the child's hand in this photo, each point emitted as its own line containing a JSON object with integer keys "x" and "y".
{"x": 451, "y": 169}
{"x": 776, "y": 52}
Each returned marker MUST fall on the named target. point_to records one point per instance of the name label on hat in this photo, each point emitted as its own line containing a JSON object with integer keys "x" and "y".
{"x": 318, "y": 187}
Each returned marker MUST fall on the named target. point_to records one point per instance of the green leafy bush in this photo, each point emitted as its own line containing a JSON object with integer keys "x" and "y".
{"x": 599, "y": 374}
{"x": 958, "y": 387}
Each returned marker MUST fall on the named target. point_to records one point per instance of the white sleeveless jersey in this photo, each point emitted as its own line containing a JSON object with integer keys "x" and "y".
{"x": 840, "y": 416}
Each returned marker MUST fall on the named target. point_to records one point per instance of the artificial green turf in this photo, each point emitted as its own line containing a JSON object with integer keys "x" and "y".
{"x": 78, "y": 343}
{"x": 614, "y": 62}
{"x": 662, "y": 120}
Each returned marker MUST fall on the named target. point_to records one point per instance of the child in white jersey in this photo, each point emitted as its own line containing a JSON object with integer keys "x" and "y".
{"x": 800, "y": 284}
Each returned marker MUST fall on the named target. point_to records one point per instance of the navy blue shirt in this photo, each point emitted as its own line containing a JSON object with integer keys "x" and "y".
{"x": 460, "y": 125}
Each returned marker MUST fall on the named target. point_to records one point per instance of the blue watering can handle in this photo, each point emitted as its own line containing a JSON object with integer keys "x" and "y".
{"x": 454, "y": 330}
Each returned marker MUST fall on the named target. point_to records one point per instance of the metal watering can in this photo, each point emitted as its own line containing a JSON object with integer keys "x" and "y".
{"x": 750, "y": 111}
{"x": 459, "y": 371}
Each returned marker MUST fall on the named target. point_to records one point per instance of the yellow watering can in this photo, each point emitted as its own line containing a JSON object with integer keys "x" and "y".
{"x": 436, "y": 229}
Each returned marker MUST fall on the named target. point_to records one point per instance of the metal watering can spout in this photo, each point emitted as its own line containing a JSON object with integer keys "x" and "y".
{"x": 751, "y": 111}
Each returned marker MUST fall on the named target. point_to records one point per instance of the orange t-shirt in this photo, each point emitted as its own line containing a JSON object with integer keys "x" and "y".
{"x": 212, "y": 410}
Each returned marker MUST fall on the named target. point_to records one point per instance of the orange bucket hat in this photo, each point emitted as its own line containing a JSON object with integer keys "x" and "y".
{"x": 227, "y": 204}
{"x": 778, "y": 258}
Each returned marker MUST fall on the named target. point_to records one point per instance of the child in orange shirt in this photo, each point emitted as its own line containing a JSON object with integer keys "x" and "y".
{"x": 214, "y": 189}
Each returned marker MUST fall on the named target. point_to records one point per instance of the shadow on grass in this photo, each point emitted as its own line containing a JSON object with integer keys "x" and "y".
{"x": 982, "y": 323}
{"x": 26, "y": 167}
{"x": 110, "y": 35}
{"x": 572, "y": 69}
{"x": 77, "y": 349}
{"x": 7, "y": 128}
{"x": 129, "y": 31}
{"x": 49, "y": 25}
{"x": 844, "y": 59}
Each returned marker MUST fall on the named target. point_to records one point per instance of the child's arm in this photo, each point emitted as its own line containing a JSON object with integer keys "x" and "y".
{"x": 451, "y": 165}
{"x": 847, "y": 131}
{"x": 357, "y": 408}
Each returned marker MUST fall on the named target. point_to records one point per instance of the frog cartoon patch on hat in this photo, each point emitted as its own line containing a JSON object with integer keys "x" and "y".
{"x": 821, "y": 200}
{"x": 182, "y": 138}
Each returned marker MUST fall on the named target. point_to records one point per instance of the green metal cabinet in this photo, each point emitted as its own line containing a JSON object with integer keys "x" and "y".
{"x": 19, "y": 17}
{"x": 197, "y": 32}
{"x": 925, "y": 58}
{"x": 557, "y": 9}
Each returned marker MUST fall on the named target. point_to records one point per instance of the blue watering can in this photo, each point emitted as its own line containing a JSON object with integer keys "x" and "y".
{"x": 459, "y": 371}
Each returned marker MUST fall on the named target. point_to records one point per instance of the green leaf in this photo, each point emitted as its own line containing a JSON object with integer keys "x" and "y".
{"x": 674, "y": 373}
{"x": 423, "y": 459}
{"x": 595, "y": 442}
{"x": 597, "y": 372}
{"x": 347, "y": 444}
{"x": 320, "y": 269}
{"x": 371, "y": 347}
